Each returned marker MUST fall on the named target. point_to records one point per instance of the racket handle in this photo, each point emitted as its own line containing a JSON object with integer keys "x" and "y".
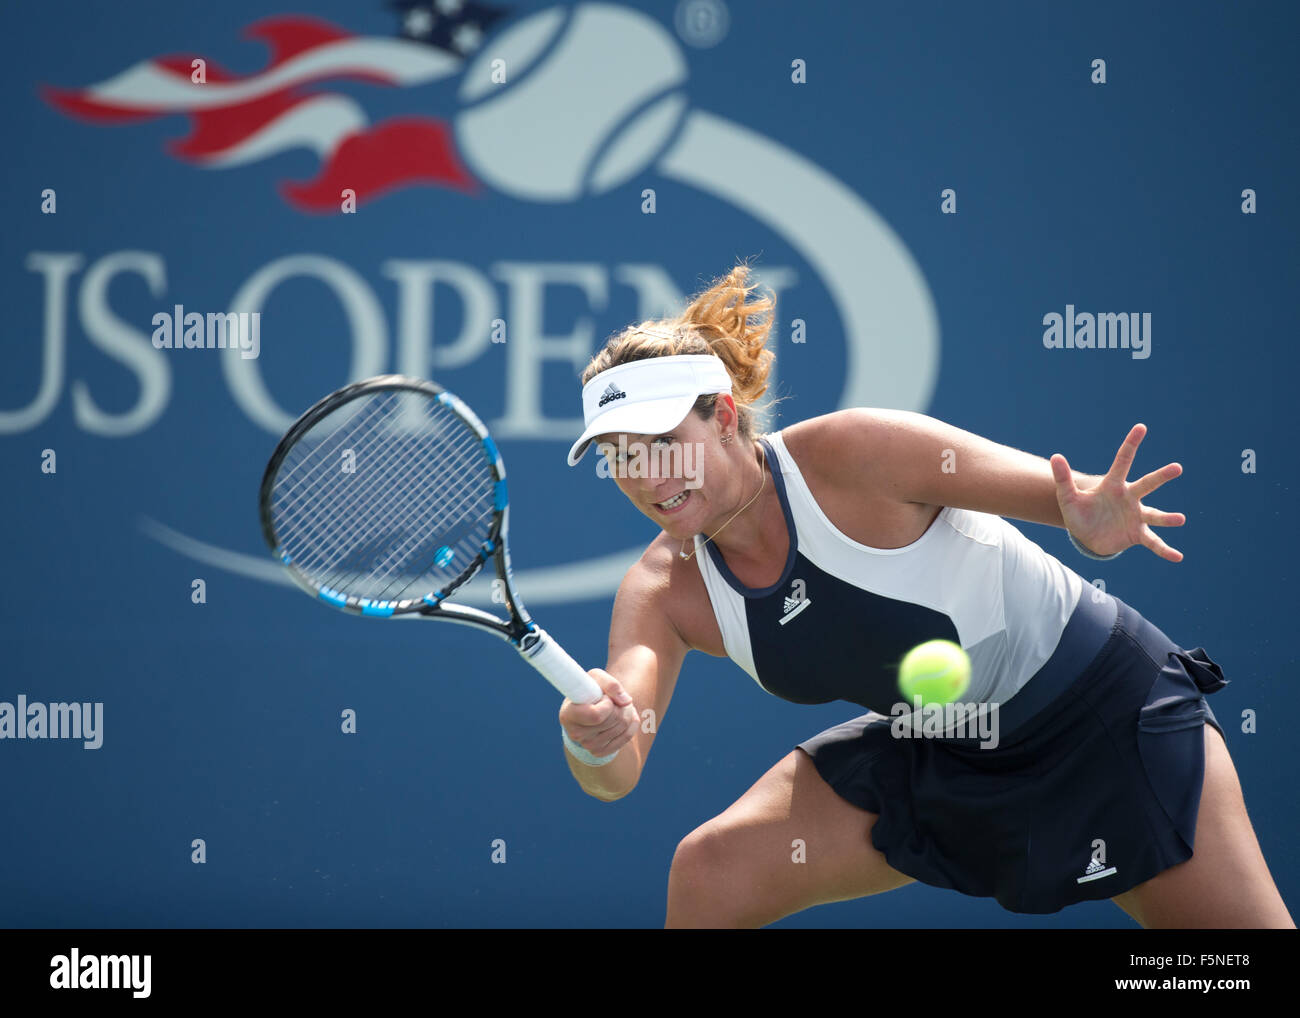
{"x": 560, "y": 670}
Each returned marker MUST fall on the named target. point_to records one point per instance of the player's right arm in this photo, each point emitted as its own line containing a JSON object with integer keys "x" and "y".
{"x": 646, "y": 651}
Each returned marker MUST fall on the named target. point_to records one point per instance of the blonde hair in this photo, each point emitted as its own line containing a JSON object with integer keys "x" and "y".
{"x": 720, "y": 320}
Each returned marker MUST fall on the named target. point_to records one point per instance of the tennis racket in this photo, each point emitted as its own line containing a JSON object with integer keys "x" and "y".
{"x": 386, "y": 497}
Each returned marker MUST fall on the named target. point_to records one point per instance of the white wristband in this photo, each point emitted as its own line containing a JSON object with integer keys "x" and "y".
{"x": 1091, "y": 554}
{"x": 583, "y": 755}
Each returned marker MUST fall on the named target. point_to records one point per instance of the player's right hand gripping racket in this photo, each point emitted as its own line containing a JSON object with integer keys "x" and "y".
{"x": 387, "y": 496}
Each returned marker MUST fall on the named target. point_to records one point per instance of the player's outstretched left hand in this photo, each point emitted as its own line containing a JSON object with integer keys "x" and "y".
{"x": 1111, "y": 517}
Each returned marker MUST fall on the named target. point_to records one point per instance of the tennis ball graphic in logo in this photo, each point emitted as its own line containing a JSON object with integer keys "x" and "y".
{"x": 591, "y": 96}
{"x": 938, "y": 671}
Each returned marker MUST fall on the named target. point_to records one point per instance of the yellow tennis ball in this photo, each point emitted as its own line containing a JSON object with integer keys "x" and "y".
{"x": 938, "y": 671}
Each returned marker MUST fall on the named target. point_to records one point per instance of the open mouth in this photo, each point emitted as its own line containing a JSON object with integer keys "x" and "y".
{"x": 673, "y": 504}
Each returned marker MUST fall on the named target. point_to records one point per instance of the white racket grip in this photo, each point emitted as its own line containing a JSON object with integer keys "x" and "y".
{"x": 560, "y": 670}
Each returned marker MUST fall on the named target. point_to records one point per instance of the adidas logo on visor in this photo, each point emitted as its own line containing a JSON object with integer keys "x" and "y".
{"x": 611, "y": 393}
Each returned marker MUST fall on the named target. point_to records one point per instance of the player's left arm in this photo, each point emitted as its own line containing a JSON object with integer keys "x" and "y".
{"x": 920, "y": 459}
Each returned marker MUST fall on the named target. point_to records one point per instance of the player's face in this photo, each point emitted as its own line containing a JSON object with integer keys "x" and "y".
{"x": 682, "y": 479}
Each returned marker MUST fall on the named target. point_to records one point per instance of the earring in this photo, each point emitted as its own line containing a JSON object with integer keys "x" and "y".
{"x": 727, "y": 438}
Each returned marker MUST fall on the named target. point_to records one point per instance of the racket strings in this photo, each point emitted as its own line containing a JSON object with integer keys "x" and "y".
{"x": 307, "y": 505}
{"x": 395, "y": 480}
{"x": 323, "y": 505}
{"x": 450, "y": 506}
{"x": 303, "y": 455}
{"x": 400, "y": 501}
{"x": 415, "y": 509}
{"x": 308, "y": 491}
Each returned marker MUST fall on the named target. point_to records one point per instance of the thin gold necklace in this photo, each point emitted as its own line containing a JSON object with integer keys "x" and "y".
{"x": 682, "y": 551}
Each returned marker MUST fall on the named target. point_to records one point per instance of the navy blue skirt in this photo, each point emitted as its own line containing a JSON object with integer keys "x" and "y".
{"x": 1089, "y": 791}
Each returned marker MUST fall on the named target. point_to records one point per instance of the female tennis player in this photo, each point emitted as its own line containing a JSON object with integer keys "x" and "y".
{"x": 815, "y": 558}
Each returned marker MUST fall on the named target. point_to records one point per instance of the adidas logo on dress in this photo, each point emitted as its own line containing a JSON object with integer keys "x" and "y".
{"x": 794, "y": 605}
{"x": 1095, "y": 871}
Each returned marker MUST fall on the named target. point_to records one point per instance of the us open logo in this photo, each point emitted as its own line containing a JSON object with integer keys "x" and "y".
{"x": 475, "y": 142}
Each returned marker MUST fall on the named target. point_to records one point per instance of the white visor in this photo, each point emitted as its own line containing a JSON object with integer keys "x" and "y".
{"x": 647, "y": 397}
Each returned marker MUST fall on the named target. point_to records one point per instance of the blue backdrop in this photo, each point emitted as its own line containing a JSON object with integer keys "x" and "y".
{"x": 920, "y": 184}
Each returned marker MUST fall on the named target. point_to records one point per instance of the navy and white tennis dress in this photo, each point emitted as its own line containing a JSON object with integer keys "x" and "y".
{"x": 1077, "y": 772}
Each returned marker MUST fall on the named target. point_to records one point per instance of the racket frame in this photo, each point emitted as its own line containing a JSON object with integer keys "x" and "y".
{"x": 534, "y": 644}
{"x": 517, "y": 628}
